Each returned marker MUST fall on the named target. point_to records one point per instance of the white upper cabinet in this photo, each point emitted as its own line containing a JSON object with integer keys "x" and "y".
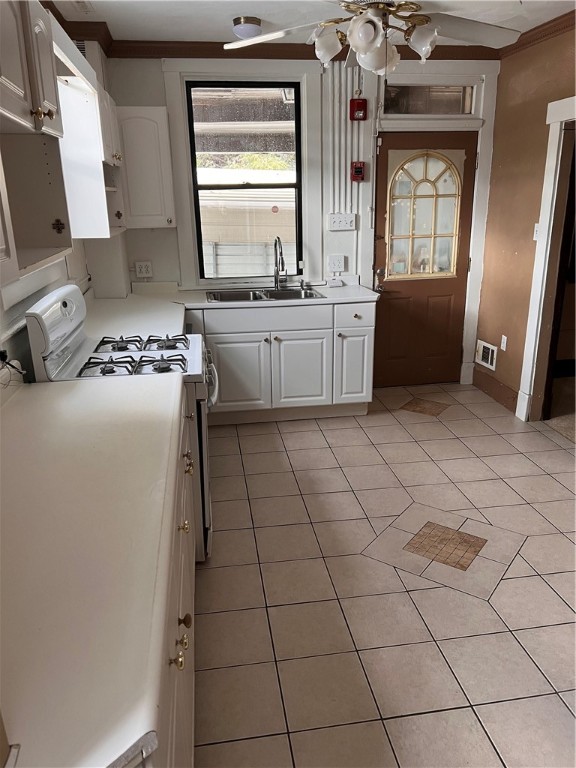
{"x": 147, "y": 167}
{"x": 111, "y": 141}
{"x": 9, "y": 269}
{"x": 15, "y": 94}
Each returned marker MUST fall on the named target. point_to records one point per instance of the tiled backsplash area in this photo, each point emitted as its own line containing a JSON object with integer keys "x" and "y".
{"x": 322, "y": 641}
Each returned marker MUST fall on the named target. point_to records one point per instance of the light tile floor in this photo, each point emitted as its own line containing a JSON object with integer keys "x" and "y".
{"x": 320, "y": 641}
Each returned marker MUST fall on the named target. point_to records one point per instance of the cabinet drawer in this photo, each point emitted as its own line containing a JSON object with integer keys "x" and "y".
{"x": 254, "y": 319}
{"x": 351, "y": 315}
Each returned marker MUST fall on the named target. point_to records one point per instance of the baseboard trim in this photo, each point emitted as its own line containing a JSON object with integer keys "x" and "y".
{"x": 503, "y": 394}
{"x": 523, "y": 406}
{"x": 287, "y": 414}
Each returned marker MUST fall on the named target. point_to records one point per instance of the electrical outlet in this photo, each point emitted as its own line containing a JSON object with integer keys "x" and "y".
{"x": 503, "y": 343}
{"x": 143, "y": 269}
{"x": 336, "y": 262}
{"x": 341, "y": 221}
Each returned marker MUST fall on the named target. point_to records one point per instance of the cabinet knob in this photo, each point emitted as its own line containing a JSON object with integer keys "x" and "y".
{"x": 277, "y": 338}
{"x": 187, "y": 621}
{"x": 117, "y": 156}
{"x": 267, "y": 340}
{"x": 179, "y": 661}
{"x": 189, "y": 416}
{"x": 189, "y": 467}
{"x": 50, "y": 114}
{"x": 169, "y": 220}
{"x": 340, "y": 335}
{"x": 187, "y": 455}
{"x": 185, "y": 527}
{"x": 357, "y": 317}
{"x": 184, "y": 641}
{"x": 39, "y": 113}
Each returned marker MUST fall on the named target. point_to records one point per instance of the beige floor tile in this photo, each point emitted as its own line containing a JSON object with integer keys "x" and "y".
{"x": 391, "y": 434}
{"x": 224, "y": 466}
{"x": 433, "y": 431}
{"x": 262, "y": 463}
{"x": 309, "y": 629}
{"x": 222, "y": 430}
{"x": 280, "y": 510}
{"x": 383, "y": 620}
{"x": 397, "y": 453}
{"x": 487, "y": 410}
{"x": 455, "y": 413}
{"x": 489, "y": 493}
{"x": 228, "y": 488}
{"x": 522, "y": 731}
{"x": 339, "y": 438}
{"x": 505, "y": 425}
{"x": 421, "y": 389}
{"x": 411, "y": 417}
{"x": 228, "y": 589}
{"x": 343, "y": 746}
{"x": 549, "y": 554}
{"x": 325, "y": 690}
{"x": 534, "y": 441}
{"x": 552, "y": 648}
{"x": 312, "y": 458}
{"x": 493, "y": 668}
{"x": 445, "y": 496}
{"x": 419, "y": 473}
{"x": 232, "y": 548}
{"x": 357, "y": 456}
{"x": 272, "y": 484}
{"x": 379, "y": 419}
{"x": 501, "y": 545}
{"x": 519, "y": 567}
{"x": 489, "y": 445}
{"x": 357, "y": 575}
{"x": 553, "y": 461}
{"x": 410, "y": 679}
{"x": 417, "y": 515}
{"x": 344, "y": 537}
{"x": 449, "y": 739}
{"x": 521, "y": 518}
{"x": 231, "y": 639}
{"x": 379, "y": 503}
{"x": 455, "y": 386}
{"x": 469, "y": 428}
{"x": 223, "y": 446}
{"x": 446, "y": 449}
{"x": 441, "y": 397}
{"x": 393, "y": 400}
{"x": 230, "y": 515}
{"x": 337, "y": 422}
{"x": 237, "y": 703}
{"x": 569, "y": 697}
{"x": 413, "y": 583}
{"x": 296, "y": 581}
{"x": 287, "y": 542}
{"x": 321, "y": 481}
{"x": 564, "y": 585}
{"x": 381, "y": 523}
{"x": 266, "y": 752}
{"x": 333, "y": 506}
{"x": 298, "y": 441}
{"x": 388, "y": 548}
{"x": 562, "y": 514}
{"x": 540, "y": 488}
{"x": 369, "y": 478}
{"x": 560, "y": 440}
{"x": 375, "y": 406}
{"x": 472, "y": 396}
{"x": 480, "y": 579}
{"x": 261, "y": 443}
{"x": 298, "y": 425}
{"x": 461, "y": 470}
{"x": 529, "y": 602}
{"x": 257, "y": 428}
{"x": 513, "y": 465}
{"x": 449, "y": 613}
{"x": 568, "y": 480}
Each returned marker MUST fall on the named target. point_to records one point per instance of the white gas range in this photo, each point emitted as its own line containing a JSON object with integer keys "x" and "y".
{"x": 61, "y": 350}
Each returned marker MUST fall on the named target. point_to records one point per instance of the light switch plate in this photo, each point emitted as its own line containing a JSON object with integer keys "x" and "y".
{"x": 341, "y": 221}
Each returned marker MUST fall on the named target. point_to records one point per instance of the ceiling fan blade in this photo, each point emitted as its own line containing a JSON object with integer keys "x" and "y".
{"x": 280, "y": 33}
{"x": 473, "y": 31}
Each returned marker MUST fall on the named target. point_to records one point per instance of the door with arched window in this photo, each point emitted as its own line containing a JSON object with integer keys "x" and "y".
{"x": 424, "y": 192}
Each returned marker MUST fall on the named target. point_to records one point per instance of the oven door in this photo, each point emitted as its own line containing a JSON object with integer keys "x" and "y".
{"x": 196, "y": 396}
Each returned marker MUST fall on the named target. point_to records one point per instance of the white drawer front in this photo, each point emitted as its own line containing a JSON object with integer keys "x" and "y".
{"x": 351, "y": 315}
{"x": 254, "y": 319}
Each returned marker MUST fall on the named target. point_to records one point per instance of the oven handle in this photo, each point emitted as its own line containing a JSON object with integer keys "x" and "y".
{"x": 213, "y": 374}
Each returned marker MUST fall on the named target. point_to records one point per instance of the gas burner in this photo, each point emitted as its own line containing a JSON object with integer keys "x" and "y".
{"x": 113, "y": 366}
{"x": 120, "y": 344}
{"x": 166, "y": 342}
{"x": 149, "y": 364}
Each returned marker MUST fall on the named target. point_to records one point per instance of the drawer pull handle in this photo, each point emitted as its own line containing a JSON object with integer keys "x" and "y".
{"x": 179, "y": 661}
{"x": 185, "y": 527}
{"x": 277, "y": 338}
{"x": 187, "y": 621}
{"x": 184, "y": 642}
{"x": 189, "y": 467}
{"x": 357, "y": 317}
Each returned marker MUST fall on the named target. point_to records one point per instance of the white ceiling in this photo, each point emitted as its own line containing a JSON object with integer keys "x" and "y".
{"x": 201, "y": 20}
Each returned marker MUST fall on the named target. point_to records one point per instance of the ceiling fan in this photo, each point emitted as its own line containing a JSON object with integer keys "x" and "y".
{"x": 375, "y": 27}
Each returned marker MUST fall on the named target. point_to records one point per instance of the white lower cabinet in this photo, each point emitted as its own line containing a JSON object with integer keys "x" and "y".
{"x": 353, "y": 364}
{"x": 301, "y": 368}
{"x": 243, "y": 364}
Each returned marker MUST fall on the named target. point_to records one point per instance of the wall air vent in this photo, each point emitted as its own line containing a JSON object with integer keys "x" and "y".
{"x": 83, "y": 7}
{"x": 81, "y": 45}
{"x": 486, "y": 354}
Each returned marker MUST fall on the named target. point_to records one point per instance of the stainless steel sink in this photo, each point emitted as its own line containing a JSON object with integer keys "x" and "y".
{"x": 235, "y": 296}
{"x": 266, "y": 294}
{"x": 292, "y": 293}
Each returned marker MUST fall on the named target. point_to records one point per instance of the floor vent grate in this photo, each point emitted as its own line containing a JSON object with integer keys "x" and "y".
{"x": 486, "y": 354}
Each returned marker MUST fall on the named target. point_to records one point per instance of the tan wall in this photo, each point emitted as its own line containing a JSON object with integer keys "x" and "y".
{"x": 528, "y": 81}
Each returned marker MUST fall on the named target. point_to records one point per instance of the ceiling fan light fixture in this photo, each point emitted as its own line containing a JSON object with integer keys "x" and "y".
{"x": 380, "y": 61}
{"x": 366, "y": 33}
{"x": 423, "y": 40}
{"x": 327, "y": 45}
{"x": 246, "y": 27}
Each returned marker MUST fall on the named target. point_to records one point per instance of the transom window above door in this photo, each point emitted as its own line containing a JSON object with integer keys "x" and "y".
{"x": 423, "y": 204}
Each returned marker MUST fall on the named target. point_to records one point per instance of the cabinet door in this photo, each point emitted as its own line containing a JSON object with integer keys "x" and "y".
{"x": 353, "y": 357}
{"x": 243, "y": 364}
{"x": 15, "y": 95}
{"x": 9, "y": 270}
{"x": 147, "y": 167}
{"x": 42, "y": 68}
{"x": 105, "y": 108}
{"x": 301, "y": 368}
{"x": 183, "y": 713}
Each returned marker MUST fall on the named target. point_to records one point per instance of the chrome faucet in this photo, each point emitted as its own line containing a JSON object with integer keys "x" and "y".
{"x": 279, "y": 264}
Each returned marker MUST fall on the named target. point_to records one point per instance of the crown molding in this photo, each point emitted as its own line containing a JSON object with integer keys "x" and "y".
{"x": 546, "y": 31}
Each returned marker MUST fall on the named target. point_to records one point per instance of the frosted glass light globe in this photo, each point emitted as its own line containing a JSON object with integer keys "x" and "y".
{"x": 366, "y": 32}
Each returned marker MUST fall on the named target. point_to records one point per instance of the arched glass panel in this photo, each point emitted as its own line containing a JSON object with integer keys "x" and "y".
{"x": 424, "y": 207}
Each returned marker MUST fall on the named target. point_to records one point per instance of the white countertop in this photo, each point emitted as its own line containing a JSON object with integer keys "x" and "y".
{"x": 87, "y": 497}
{"x": 134, "y": 315}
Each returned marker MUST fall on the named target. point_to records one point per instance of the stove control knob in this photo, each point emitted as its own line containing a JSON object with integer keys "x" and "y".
{"x": 179, "y": 661}
{"x": 184, "y": 642}
{"x": 187, "y": 621}
{"x": 185, "y": 527}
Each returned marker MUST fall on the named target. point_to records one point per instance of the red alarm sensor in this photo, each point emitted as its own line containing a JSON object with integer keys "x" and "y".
{"x": 357, "y": 170}
{"x": 358, "y": 109}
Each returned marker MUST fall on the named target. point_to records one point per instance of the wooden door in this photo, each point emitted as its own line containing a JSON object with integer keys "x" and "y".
{"x": 424, "y": 194}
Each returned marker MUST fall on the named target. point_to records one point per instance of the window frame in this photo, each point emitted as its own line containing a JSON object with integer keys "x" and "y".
{"x": 253, "y": 83}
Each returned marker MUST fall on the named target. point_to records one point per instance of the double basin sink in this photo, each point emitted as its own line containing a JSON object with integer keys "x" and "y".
{"x": 266, "y": 294}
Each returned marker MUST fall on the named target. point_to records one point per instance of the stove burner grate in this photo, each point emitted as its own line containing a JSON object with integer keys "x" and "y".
{"x": 161, "y": 364}
{"x": 118, "y": 366}
{"x": 166, "y": 342}
{"x": 120, "y": 344}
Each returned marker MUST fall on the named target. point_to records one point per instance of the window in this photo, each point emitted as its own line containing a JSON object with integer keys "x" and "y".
{"x": 246, "y": 170}
{"x": 424, "y": 205}
{"x": 428, "y": 99}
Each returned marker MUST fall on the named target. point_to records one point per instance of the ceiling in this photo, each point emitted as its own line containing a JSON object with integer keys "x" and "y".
{"x": 203, "y": 21}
